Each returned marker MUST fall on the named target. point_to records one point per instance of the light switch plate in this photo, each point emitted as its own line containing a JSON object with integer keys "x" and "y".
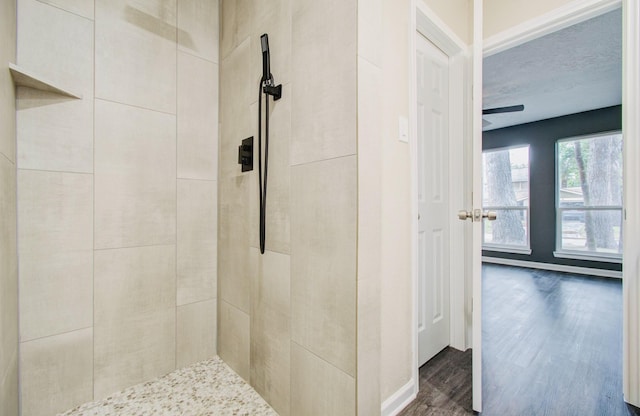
{"x": 403, "y": 129}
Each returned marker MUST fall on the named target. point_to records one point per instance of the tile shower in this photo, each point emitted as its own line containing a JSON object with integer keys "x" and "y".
{"x": 138, "y": 234}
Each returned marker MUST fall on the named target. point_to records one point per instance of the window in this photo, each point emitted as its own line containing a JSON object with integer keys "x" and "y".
{"x": 589, "y": 197}
{"x": 505, "y": 183}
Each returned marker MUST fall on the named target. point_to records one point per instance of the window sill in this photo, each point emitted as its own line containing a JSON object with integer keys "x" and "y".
{"x": 588, "y": 257}
{"x": 512, "y": 250}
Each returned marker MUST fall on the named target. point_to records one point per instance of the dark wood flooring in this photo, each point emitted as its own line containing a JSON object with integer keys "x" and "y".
{"x": 552, "y": 345}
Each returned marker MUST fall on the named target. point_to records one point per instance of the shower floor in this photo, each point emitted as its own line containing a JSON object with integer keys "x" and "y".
{"x": 206, "y": 388}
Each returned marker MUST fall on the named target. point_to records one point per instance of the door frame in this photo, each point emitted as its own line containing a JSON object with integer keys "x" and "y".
{"x": 570, "y": 14}
{"x": 427, "y": 23}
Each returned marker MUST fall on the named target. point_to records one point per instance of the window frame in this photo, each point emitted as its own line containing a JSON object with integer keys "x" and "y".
{"x": 504, "y": 248}
{"x": 560, "y": 252}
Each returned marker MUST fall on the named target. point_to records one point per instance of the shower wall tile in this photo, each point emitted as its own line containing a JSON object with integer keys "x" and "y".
{"x": 369, "y": 33}
{"x": 55, "y": 226}
{"x": 318, "y": 388}
{"x": 8, "y": 265}
{"x": 9, "y": 392}
{"x": 83, "y": 8}
{"x": 136, "y": 53}
{"x": 235, "y": 24}
{"x": 278, "y": 199}
{"x": 198, "y": 28}
{"x": 197, "y": 242}
{"x": 323, "y": 259}
{"x": 271, "y": 328}
{"x": 274, "y": 18}
{"x": 55, "y": 132}
{"x": 196, "y": 332}
{"x": 323, "y": 120}
{"x": 233, "y": 338}
{"x": 56, "y": 372}
{"x": 368, "y": 376}
{"x": 135, "y": 316}
{"x": 197, "y": 118}
{"x": 135, "y": 176}
{"x": 7, "y": 88}
{"x": 237, "y": 121}
{"x": 233, "y": 242}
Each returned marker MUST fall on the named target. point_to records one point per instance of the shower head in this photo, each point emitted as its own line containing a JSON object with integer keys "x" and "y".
{"x": 266, "y": 70}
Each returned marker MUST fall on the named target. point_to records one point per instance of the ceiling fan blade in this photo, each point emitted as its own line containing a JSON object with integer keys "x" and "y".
{"x": 499, "y": 110}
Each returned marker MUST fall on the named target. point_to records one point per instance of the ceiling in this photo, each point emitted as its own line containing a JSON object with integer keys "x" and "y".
{"x": 569, "y": 71}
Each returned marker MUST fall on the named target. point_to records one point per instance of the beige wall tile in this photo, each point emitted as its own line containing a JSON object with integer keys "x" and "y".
{"x": 83, "y": 8}
{"x": 233, "y": 338}
{"x": 198, "y": 28}
{"x": 55, "y": 132}
{"x": 55, "y": 226}
{"x": 237, "y": 91}
{"x": 278, "y": 187}
{"x": 44, "y": 35}
{"x": 368, "y": 376}
{"x": 369, "y": 33}
{"x": 235, "y": 24}
{"x": 136, "y": 53}
{"x": 271, "y": 328}
{"x": 196, "y": 339}
{"x": 7, "y": 89}
{"x": 9, "y": 393}
{"x": 323, "y": 121}
{"x": 323, "y": 260}
{"x": 56, "y": 372}
{"x": 273, "y": 18}
{"x": 233, "y": 242}
{"x": 197, "y": 243}
{"x": 135, "y": 179}
{"x": 8, "y": 265}
{"x": 197, "y": 118}
{"x": 134, "y": 316}
{"x": 318, "y": 388}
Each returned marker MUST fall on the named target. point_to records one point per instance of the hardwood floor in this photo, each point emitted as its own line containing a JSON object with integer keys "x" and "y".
{"x": 552, "y": 345}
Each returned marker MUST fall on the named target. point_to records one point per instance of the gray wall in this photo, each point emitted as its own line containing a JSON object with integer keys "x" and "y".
{"x": 8, "y": 256}
{"x": 287, "y": 319}
{"x": 541, "y": 136}
{"x": 116, "y": 195}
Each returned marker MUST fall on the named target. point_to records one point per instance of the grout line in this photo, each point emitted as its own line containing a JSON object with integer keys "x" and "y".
{"x": 133, "y": 105}
{"x": 139, "y": 246}
{"x": 56, "y": 171}
{"x": 193, "y": 55}
{"x": 175, "y": 363}
{"x": 323, "y": 160}
{"x": 9, "y": 160}
{"x": 57, "y": 334}
{"x": 320, "y": 358}
{"x": 68, "y": 11}
{"x": 93, "y": 254}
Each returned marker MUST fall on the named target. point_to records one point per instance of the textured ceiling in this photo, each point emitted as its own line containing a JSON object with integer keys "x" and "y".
{"x": 572, "y": 70}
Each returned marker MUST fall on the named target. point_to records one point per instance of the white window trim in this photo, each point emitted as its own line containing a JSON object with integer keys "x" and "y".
{"x": 573, "y": 254}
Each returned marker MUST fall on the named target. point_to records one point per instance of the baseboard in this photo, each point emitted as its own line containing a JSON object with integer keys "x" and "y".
{"x": 400, "y": 399}
{"x": 554, "y": 267}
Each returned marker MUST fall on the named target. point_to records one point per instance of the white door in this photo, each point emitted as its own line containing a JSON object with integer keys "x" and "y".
{"x": 432, "y": 70}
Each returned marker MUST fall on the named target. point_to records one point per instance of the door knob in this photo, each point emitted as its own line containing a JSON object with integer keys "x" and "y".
{"x": 477, "y": 215}
{"x": 490, "y": 215}
{"x": 463, "y": 215}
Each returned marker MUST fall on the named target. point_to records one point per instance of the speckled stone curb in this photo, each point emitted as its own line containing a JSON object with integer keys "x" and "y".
{"x": 206, "y": 388}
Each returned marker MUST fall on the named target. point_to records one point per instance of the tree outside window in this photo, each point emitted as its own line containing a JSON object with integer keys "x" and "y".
{"x": 506, "y": 191}
{"x": 589, "y": 196}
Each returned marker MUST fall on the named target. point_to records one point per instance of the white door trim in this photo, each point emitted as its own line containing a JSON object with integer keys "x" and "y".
{"x": 426, "y": 22}
{"x": 631, "y": 230}
{"x": 562, "y": 17}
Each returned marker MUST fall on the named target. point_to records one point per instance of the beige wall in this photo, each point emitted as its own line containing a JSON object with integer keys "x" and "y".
{"x": 287, "y": 319}
{"x": 117, "y": 195}
{"x": 500, "y": 15}
{"x": 457, "y": 15}
{"x": 8, "y": 255}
